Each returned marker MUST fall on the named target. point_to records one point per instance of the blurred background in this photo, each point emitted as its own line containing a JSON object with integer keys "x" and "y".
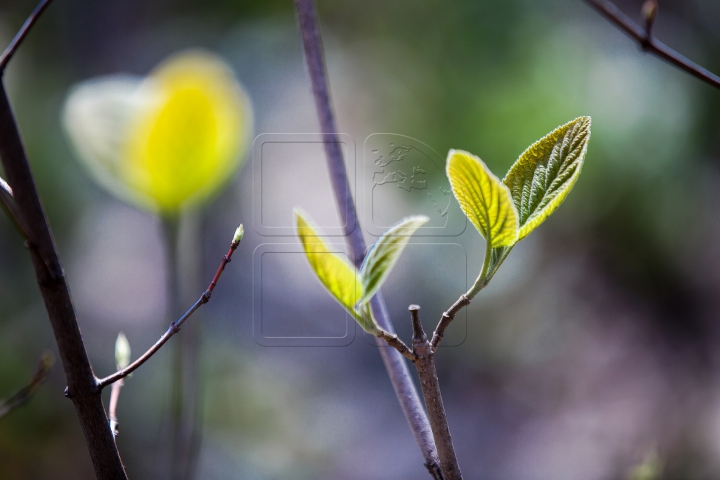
{"x": 594, "y": 348}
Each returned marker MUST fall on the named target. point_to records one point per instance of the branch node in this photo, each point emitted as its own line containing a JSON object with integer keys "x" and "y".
{"x": 206, "y": 295}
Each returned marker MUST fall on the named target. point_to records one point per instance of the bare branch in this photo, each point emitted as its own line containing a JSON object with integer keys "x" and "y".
{"x": 174, "y": 326}
{"x": 648, "y": 43}
{"x": 22, "y": 33}
{"x": 82, "y": 387}
{"x": 430, "y": 386}
{"x": 22, "y": 396}
{"x": 393, "y": 360}
{"x": 392, "y": 340}
{"x": 447, "y": 318}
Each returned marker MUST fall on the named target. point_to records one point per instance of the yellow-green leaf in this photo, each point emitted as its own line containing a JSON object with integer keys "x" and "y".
{"x": 483, "y": 197}
{"x": 546, "y": 172}
{"x": 338, "y": 276}
{"x": 385, "y": 252}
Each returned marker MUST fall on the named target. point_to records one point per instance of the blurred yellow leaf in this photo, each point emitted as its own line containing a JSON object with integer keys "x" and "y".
{"x": 166, "y": 141}
{"x": 484, "y": 198}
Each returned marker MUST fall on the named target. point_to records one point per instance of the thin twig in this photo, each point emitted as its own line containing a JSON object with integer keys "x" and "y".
{"x": 393, "y": 340}
{"x": 21, "y": 34}
{"x": 174, "y": 326}
{"x": 446, "y": 319}
{"x": 393, "y": 360}
{"x": 112, "y": 408}
{"x": 430, "y": 386}
{"x": 23, "y": 395}
{"x": 648, "y": 43}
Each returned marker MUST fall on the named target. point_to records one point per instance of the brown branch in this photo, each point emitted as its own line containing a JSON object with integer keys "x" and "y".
{"x": 174, "y": 326}
{"x": 648, "y": 43}
{"x": 23, "y": 395}
{"x": 430, "y": 386}
{"x": 21, "y": 34}
{"x": 394, "y": 362}
{"x": 392, "y": 340}
{"x": 446, "y": 319}
{"x": 82, "y": 387}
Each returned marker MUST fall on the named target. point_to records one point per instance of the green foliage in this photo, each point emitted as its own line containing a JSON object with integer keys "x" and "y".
{"x": 340, "y": 278}
{"x": 484, "y": 198}
{"x": 534, "y": 187}
{"x": 545, "y": 173}
{"x": 353, "y": 289}
{"x": 385, "y": 252}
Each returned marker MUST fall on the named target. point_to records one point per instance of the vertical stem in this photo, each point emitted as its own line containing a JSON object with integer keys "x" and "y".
{"x": 183, "y": 407}
{"x": 82, "y": 384}
{"x": 112, "y": 407}
{"x": 393, "y": 360}
{"x": 430, "y": 386}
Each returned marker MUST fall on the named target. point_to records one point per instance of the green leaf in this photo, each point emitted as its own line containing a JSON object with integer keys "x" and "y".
{"x": 339, "y": 277}
{"x": 122, "y": 351}
{"x": 385, "y": 252}
{"x": 483, "y": 197}
{"x": 546, "y": 172}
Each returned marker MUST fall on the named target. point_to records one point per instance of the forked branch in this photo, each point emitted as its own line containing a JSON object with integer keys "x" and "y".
{"x": 394, "y": 362}
{"x": 21, "y": 34}
{"x": 175, "y": 326}
{"x": 425, "y": 364}
{"x": 648, "y": 43}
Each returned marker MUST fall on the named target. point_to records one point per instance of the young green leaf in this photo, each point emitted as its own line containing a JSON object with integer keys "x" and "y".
{"x": 122, "y": 351}
{"x": 385, "y": 252}
{"x": 545, "y": 173}
{"x": 339, "y": 277}
{"x": 483, "y": 197}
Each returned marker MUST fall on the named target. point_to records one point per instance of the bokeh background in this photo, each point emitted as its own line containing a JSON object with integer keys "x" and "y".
{"x": 595, "y": 347}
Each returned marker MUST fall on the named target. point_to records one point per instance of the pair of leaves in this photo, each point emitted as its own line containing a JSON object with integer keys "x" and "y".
{"x": 353, "y": 289}
{"x": 534, "y": 187}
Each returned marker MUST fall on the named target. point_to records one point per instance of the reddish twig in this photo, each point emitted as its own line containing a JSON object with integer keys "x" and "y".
{"x": 174, "y": 326}
{"x": 112, "y": 408}
{"x": 21, "y": 34}
{"x": 648, "y": 43}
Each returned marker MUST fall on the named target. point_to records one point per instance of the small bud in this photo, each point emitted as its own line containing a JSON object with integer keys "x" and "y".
{"x": 649, "y": 10}
{"x": 239, "y": 234}
{"x": 122, "y": 351}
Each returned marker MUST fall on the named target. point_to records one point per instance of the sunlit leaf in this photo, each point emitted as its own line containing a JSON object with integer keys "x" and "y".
{"x": 385, "y": 252}
{"x": 546, "y": 172}
{"x": 483, "y": 197}
{"x": 338, "y": 276}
